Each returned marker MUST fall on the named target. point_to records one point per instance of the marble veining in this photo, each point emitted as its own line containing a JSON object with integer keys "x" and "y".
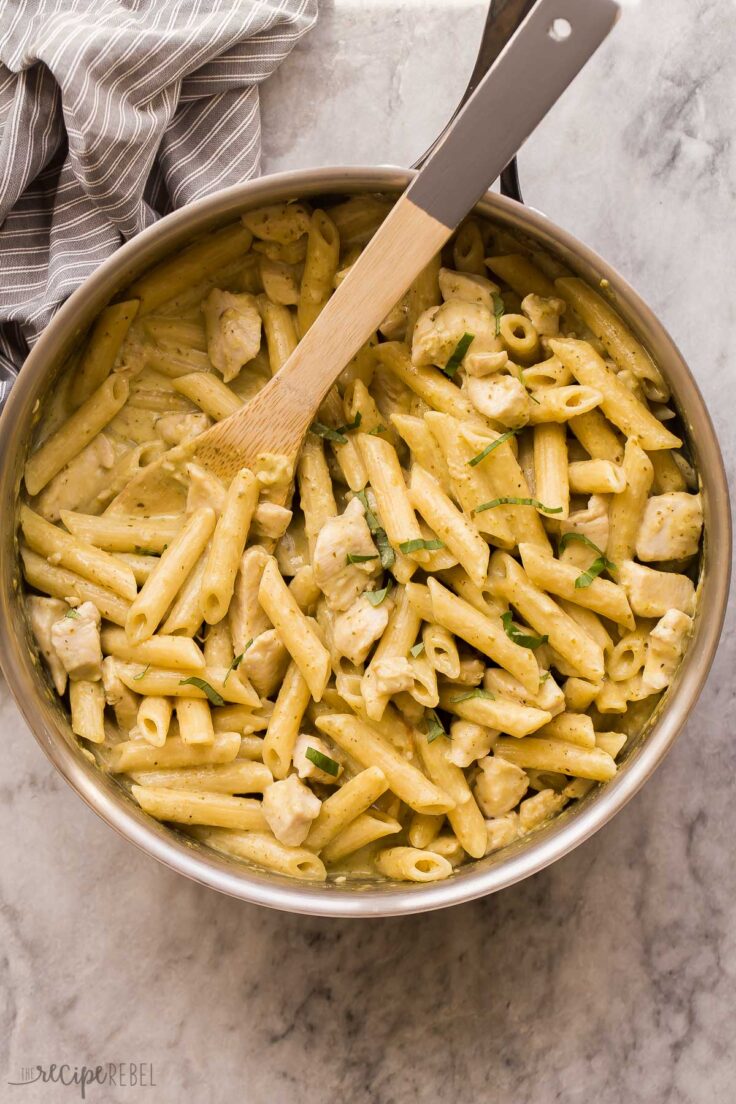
{"x": 608, "y": 977}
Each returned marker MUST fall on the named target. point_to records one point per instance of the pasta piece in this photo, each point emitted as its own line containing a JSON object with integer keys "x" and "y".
{"x": 366, "y": 828}
{"x": 546, "y": 617}
{"x": 498, "y": 713}
{"x": 135, "y": 755}
{"x": 371, "y": 749}
{"x": 153, "y": 720}
{"x": 394, "y": 504}
{"x": 263, "y": 849}
{"x": 92, "y": 416}
{"x": 612, "y": 332}
{"x": 343, "y": 806}
{"x": 411, "y": 865}
{"x": 121, "y": 534}
{"x": 87, "y": 700}
{"x": 68, "y": 551}
{"x": 554, "y": 755}
{"x": 216, "y": 809}
{"x": 626, "y": 509}
{"x": 618, "y": 403}
{"x": 195, "y": 722}
{"x": 237, "y": 777}
{"x": 162, "y": 682}
{"x": 320, "y": 266}
{"x": 295, "y": 630}
{"x": 283, "y": 727}
{"x": 484, "y": 632}
{"x": 466, "y": 818}
{"x": 103, "y": 346}
{"x": 60, "y": 583}
{"x": 162, "y": 651}
{"x": 450, "y": 525}
{"x": 166, "y": 580}
{"x": 228, "y": 543}
{"x": 550, "y": 468}
{"x": 602, "y": 596}
{"x": 176, "y": 274}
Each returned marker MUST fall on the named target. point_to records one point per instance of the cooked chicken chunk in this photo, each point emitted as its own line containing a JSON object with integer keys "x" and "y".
{"x": 265, "y": 662}
{"x": 76, "y": 640}
{"x": 544, "y": 314}
{"x": 355, "y": 630}
{"x": 468, "y": 287}
{"x": 205, "y": 489}
{"x": 177, "y": 429}
{"x": 484, "y": 363}
{"x": 122, "y": 699}
{"x": 233, "y": 330}
{"x": 535, "y": 810}
{"x": 44, "y": 613}
{"x": 393, "y": 675}
{"x": 499, "y": 786}
{"x": 592, "y": 522}
{"x": 665, "y": 648}
{"x": 671, "y": 527}
{"x": 305, "y": 768}
{"x": 470, "y": 741}
{"x": 82, "y": 478}
{"x": 289, "y": 808}
{"x": 652, "y": 593}
{"x": 502, "y": 831}
{"x": 270, "y": 520}
{"x": 439, "y": 329}
{"x": 340, "y": 581}
{"x": 503, "y": 398}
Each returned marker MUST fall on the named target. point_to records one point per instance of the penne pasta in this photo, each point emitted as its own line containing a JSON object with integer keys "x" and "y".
{"x": 404, "y": 661}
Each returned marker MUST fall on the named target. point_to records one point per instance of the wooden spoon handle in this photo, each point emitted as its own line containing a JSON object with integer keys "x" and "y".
{"x": 525, "y": 80}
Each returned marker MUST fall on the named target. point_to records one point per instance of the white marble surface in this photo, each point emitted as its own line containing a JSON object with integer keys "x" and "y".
{"x": 609, "y": 976}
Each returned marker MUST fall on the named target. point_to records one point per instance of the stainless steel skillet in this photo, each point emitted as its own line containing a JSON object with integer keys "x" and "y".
{"x": 48, "y": 721}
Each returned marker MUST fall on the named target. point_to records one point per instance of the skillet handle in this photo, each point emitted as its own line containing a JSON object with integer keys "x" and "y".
{"x": 504, "y": 16}
{"x": 8, "y": 376}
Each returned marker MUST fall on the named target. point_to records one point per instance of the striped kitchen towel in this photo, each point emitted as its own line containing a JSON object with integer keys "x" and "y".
{"x": 113, "y": 112}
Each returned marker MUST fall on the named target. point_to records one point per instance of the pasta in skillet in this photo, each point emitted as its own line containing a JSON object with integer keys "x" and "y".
{"x": 445, "y": 626}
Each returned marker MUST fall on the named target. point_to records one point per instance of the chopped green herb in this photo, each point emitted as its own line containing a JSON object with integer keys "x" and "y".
{"x": 435, "y": 727}
{"x": 522, "y": 639}
{"x": 544, "y": 678}
{"x": 566, "y": 539}
{"x": 476, "y": 692}
{"x": 524, "y": 384}
{"x": 375, "y": 597}
{"x": 417, "y": 649}
{"x": 376, "y": 430}
{"x": 336, "y": 434}
{"x": 237, "y": 661}
{"x": 415, "y": 545}
{"x": 595, "y": 569}
{"x": 329, "y": 766}
{"x": 145, "y": 551}
{"x": 498, "y": 311}
{"x": 493, "y": 445}
{"x": 357, "y": 558}
{"x": 599, "y": 564}
{"x": 212, "y": 694}
{"x": 509, "y": 500}
{"x": 457, "y": 356}
{"x": 386, "y": 552}
{"x": 355, "y": 424}
{"x": 72, "y": 613}
{"x": 142, "y": 674}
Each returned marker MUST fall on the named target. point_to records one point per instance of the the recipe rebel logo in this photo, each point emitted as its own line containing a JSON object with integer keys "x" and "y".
{"x": 123, "y": 1075}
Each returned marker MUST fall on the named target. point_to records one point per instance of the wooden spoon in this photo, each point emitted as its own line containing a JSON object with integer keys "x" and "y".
{"x": 543, "y": 56}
